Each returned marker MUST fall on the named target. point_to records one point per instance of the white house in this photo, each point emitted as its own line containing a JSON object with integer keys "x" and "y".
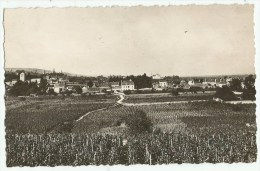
{"x": 36, "y": 80}
{"x": 156, "y": 77}
{"x": 191, "y": 82}
{"x": 163, "y": 84}
{"x": 127, "y": 85}
{"x": 221, "y": 85}
{"x": 59, "y": 87}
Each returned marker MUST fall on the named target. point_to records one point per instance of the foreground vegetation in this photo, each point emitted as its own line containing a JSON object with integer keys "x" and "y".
{"x": 154, "y": 148}
{"x": 173, "y": 133}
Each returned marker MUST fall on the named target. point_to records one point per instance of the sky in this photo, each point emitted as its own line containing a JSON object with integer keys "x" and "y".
{"x": 175, "y": 40}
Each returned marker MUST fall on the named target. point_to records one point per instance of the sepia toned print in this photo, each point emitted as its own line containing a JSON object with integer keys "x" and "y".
{"x": 130, "y": 85}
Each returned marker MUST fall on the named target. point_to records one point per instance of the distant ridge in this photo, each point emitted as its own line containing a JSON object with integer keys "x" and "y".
{"x": 31, "y": 70}
{"x": 39, "y": 71}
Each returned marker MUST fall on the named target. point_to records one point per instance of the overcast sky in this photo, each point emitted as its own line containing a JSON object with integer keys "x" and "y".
{"x": 176, "y": 40}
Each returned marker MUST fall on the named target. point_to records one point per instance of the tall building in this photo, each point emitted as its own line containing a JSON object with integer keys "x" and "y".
{"x": 22, "y": 76}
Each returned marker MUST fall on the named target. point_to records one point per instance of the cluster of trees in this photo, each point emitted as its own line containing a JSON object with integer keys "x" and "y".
{"x": 9, "y": 76}
{"x": 141, "y": 81}
{"x": 81, "y": 79}
{"x": 25, "y": 88}
{"x": 173, "y": 79}
{"x": 225, "y": 93}
{"x": 248, "y": 93}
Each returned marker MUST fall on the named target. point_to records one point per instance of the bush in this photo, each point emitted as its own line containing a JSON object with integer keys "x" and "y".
{"x": 225, "y": 93}
{"x": 127, "y": 92}
{"x": 138, "y": 122}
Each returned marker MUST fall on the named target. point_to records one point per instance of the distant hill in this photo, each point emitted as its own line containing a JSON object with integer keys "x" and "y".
{"x": 38, "y": 71}
{"x": 28, "y": 70}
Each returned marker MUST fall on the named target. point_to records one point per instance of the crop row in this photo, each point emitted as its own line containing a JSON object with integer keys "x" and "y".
{"x": 154, "y": 148}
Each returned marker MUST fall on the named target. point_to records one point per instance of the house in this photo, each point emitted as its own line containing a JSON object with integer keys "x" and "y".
{"x": 212, "y": 82}
{"x": 36, "y": 80}
{"x": 127, "y": 85}
{"x": 92, "y": 90}
{"x": 114, "y": 84}
{"x": 69, "y": 87}
{"x": 186, "y": 86}
{"x": 52, "y": 81}
{"x": 11, "y": 83}
{"x": 105, "y": 87}
{"x": 163, "y": 84}
{"x": 14, "y": 81}
{"x": 191, "y": 82}
{"x": 156, "y": 77}
{"x": 59, "y": 87}
{"x": 221, "y": 84}
{"x": 116, "y": 88}
{"x": 8, "y": 83}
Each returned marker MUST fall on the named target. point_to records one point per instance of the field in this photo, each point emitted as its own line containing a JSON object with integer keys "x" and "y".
{"x": 146, "y": 98}
{"x": 181, "y": 133}
{"x": 184, "y": 117}
{"x": 42, "y": 115}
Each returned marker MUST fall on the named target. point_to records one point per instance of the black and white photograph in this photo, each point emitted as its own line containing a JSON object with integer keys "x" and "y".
{"x": 149, "y": 85}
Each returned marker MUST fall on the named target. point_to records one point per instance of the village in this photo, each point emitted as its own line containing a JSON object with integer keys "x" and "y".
{"x": 59, "y": 83}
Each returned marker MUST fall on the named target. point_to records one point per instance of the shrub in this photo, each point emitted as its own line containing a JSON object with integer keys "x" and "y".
{"x": 138, "y": 122}
{"x": 127, "y": 92}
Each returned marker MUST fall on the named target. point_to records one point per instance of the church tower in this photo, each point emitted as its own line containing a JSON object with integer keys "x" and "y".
{"x": 22, "y": 76}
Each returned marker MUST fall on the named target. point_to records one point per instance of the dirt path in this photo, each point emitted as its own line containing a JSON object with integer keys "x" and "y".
{"x": 68, "y": 125}
{"x": 158, "y": 103}
{"x": 120, "y": 101}
{"x": 122, "y": 97}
